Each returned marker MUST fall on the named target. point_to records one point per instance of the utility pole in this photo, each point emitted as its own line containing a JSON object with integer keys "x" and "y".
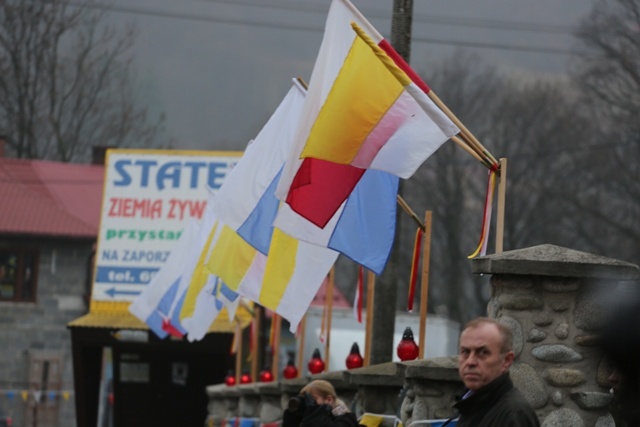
{"x": 384, "y": 307}
{"x": 401, "y": 27}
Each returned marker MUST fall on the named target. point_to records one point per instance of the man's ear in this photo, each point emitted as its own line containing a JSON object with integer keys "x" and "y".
{"x": 508, "y": 360}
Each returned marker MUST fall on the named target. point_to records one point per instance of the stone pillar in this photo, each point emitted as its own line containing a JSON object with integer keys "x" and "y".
{"x": 553, "y": 299}
{"x": 270, "y": 407}
{"x": 249, "y": 401}
{"x": 223, "y": 403}
{"x": 378, "y": 388}
{"x": 429, "y": 388}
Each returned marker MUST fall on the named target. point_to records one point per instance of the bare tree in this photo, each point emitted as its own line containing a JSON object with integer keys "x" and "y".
{"x": 534, "y": 124}
{"x": 609, "y": 71}
{"x": 66, "y": 82}
{"x": 451, "y": 184}
{"x": 573, "y": 147}
{"x": 608, "y": 77}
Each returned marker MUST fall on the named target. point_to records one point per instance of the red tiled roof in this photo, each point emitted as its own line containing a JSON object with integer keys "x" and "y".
{"x": 50, "y": 198}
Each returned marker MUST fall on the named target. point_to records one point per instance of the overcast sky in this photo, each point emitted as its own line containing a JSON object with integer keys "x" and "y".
{"x": 219, "y": 68}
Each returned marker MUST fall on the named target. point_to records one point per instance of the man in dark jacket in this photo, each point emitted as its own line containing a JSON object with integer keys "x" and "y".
{"x": 490, "y": 400}
{"x": 620, "y": 341}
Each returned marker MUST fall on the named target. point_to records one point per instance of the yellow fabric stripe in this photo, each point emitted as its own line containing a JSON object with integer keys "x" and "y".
{"x": 362, "y": 93}
{"x": 230, "y": 258}
{"x": 279, "y": 269}
{"x": 198, "y": 278}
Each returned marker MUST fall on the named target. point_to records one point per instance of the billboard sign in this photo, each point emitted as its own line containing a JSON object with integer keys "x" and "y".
{"x": 149, "y": 195}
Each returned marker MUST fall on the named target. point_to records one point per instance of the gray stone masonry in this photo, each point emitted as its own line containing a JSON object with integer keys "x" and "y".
{"x": 552, "y": 298}
{"x": 29, "y": 329}
{"x": 430, "y": 386}
{"x": 379, "y": 389}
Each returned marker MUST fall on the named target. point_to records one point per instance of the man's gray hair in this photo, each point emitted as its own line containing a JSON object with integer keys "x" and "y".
{"x": 505, "y": 331}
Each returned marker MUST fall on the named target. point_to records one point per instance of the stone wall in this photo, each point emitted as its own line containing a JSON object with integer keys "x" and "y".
{"x": 30, "y": 330}
{"x": 552, "y": 298}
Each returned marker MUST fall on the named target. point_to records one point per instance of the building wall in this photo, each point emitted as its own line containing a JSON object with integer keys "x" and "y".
{"x": 33, "y": 332}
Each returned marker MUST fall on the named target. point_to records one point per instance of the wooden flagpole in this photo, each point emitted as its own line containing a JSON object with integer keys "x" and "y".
{"x": 275, "y": 361}
{"x": 329, "y": 307}
{"x": 371, "y": 280}
{"x": 300, "y": 360}
{"x": 469, "y": 150}
{"x": 409, "y": 211}
{"x": 238, "y": 352}
{"x": 502, "y": 190}
{"x": 424, "y": 291}
{"x": 468, "y": 137}
{"x": 257, "y": 324}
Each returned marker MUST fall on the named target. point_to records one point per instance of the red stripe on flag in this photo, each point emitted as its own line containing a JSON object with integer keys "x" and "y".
{"x": 320, "y": 187}
{"x": 170, "y": 329}
{"x": 402, "y": 64}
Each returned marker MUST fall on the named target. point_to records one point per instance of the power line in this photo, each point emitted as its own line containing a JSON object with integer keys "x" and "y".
{"x": 431, "y": 19}
{"x": 190, "y": 17}
{"x": 495, "y": 24}
{"x": 496, "y": 46}
{"x": 317, "y": 29}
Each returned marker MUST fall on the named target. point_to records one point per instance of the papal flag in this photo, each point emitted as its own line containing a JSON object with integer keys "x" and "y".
{"x": 363, "y": 110}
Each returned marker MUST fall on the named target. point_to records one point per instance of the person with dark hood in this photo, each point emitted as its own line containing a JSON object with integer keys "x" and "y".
{"x": 620, "y": 342}
{"x": 318, "y": 405}
{"x": 489, "y": 398}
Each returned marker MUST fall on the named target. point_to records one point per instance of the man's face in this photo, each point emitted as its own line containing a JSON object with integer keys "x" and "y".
{"x": 481, "y": 359}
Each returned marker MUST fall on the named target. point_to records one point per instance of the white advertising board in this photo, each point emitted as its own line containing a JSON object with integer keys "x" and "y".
{"x": 149, "y": 195}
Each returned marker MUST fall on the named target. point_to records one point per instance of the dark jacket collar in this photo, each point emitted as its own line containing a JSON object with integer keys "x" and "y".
{"x": 486, "y": 396}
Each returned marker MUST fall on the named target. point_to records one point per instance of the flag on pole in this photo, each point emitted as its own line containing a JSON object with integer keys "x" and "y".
{"x": 362, "y": 229}
{"x": 153, "y": 305}
{"x": 389, "y": 128}
{"x": 303, "y": 184}
{"x": 213, "y": 298}
{"x": 288, "y": 278}
{"x": 199, "y": 278}
{"x": 206, "y": 308}
{"x": 293, "y": 274}
{"x": 191, "y": 274}
{"x": 245, "y": 201}
{"x": 239, "y": 265}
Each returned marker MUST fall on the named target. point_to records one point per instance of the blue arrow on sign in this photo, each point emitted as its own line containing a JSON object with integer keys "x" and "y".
{"x": 113, "y": 292}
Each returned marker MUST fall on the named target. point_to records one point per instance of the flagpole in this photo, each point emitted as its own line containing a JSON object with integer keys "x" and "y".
{"x": 238, "y": 352}
{"x": 371, "y": 280}
{"x": 275, "y": 361}
{"x": 302, "y": 329}
{"x": 424, "y": 291}
{"x": 468, "y": 136}
{"x": 404, "y": 205}
{"x": 502, "y": 190}
{"x": 329, "y": 304}
{"x": 254, "y": 340}
{"x": 466, "y": 147}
